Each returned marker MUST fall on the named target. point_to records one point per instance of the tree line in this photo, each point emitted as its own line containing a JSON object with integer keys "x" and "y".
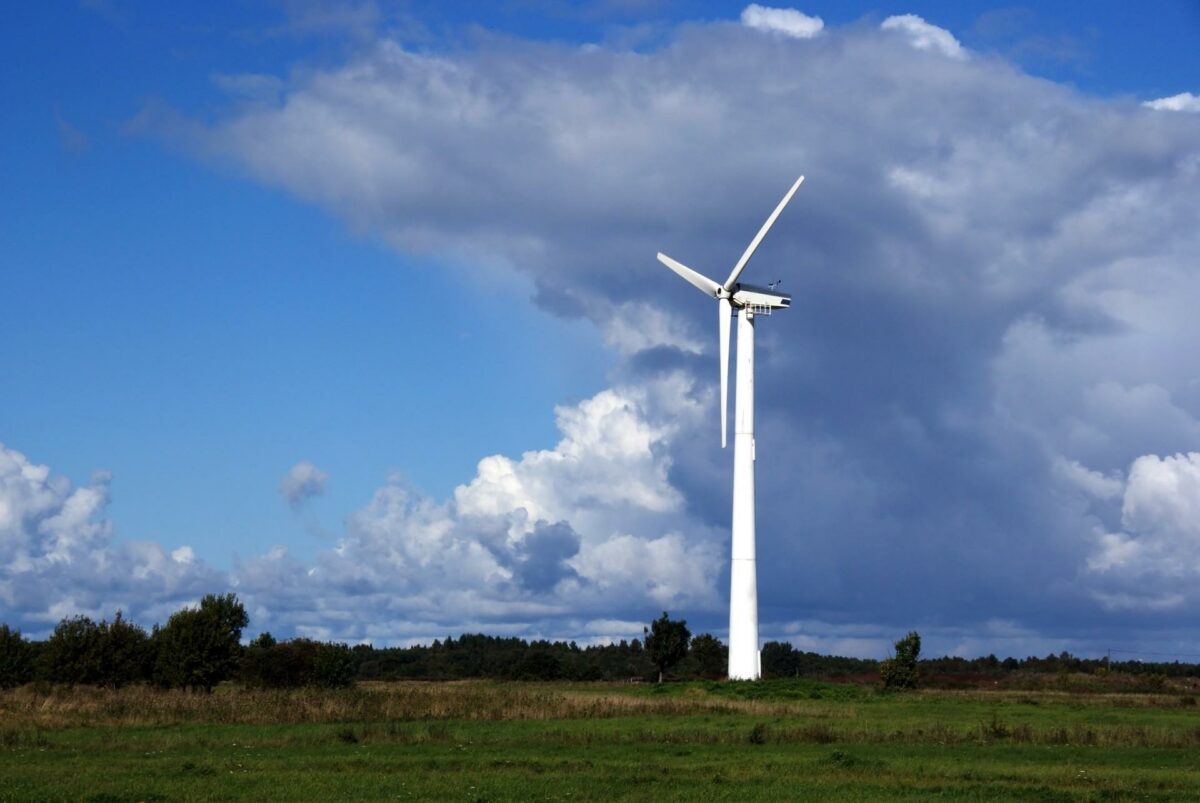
{"x": 197, "y": 648}
{"x": 201, "y": 646}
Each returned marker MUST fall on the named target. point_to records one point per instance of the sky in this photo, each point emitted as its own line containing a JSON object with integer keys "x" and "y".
{"x": 353, "y": 309}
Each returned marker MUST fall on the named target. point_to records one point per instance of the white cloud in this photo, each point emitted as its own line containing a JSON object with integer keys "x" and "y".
{"x": 58, "y": 557}
{"x": 1183, "y": 102}
{"x": 668, "y": 570}
{"x": 1113, "y": 550}
{"x": 588, "y": 528}
{"x": 1093, "y": 483}
{"x": 787, "y": 21}
{"x": 1163, "y": 498}
{"x": 919, "y": 184}
{"x": 612, "y": 630}
{"x": 635, "y": 326}
{"x": 1154, "y": 562}
{"x": 605, "y": 459}
{"x": 302, "y": 482}
{"x": 925, "y": 36}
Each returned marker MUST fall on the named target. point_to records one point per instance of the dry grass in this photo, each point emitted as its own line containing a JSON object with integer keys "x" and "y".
{"x": 84, "y": 706}
{"x": 373, "y": 711}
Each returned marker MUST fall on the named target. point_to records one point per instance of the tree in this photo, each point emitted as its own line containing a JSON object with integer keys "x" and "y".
{"x": 259, "y": 666}
{"x": 123, "y": 653}
{"x": 199, "y": 647}
{"x": 335, "y": 666}
{"x": 900, "y": 671}
{"x": 72, "y": 653}
{"x": 538, "y": 664}
{"x": 264, "y": 640}
{"x": 666, "y": 642}
{"x": 106, "y": 654}
{"x": 711, "y": 656}
{"x": 298, "y": 662}
{"x": 780, "y": 660}
{"x": 16, "y": 658}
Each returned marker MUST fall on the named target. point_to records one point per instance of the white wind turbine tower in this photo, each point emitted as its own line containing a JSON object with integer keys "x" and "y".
{"x": 749, "y": 301}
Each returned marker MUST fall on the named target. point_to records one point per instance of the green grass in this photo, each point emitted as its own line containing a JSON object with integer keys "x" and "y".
{"x": 695, "y": 741}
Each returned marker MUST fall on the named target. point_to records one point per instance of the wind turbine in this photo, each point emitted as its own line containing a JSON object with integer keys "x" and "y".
{"x": 749, "y": 301}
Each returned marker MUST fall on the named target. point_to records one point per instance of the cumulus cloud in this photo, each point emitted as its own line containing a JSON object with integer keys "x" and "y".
{"x": 302, "y": 482}
{"x": 1163, "y": 497}
{"x": 58, "y": 557}
{"x": 1153, "y": 562}
{"x": 1183, "y": 102}
{"x": 786, "y": 21}
{"x": 925, "y": 36}
{"x": 993, "y": 282}
{"x": 605, "y": 459}
{"x": 587, "y": 529}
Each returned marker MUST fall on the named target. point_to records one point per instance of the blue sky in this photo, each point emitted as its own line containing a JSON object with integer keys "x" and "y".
{"x": 394, "y": 240}
{"x": 181, "y": 327}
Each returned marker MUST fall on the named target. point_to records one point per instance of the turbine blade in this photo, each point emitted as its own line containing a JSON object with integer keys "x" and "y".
{"x": 737, "y": 269}
{"x": 697, "y": 280}
{"x": 723, "y": 310}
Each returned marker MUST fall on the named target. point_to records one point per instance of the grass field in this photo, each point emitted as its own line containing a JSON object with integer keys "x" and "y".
{"x": 512, "y": 741}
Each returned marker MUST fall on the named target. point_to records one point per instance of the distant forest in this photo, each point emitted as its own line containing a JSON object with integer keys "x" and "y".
{"x": 200, "y": 647}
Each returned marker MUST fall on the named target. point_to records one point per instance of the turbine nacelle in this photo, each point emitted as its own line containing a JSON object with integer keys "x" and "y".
{"x": 747, "y": 295}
